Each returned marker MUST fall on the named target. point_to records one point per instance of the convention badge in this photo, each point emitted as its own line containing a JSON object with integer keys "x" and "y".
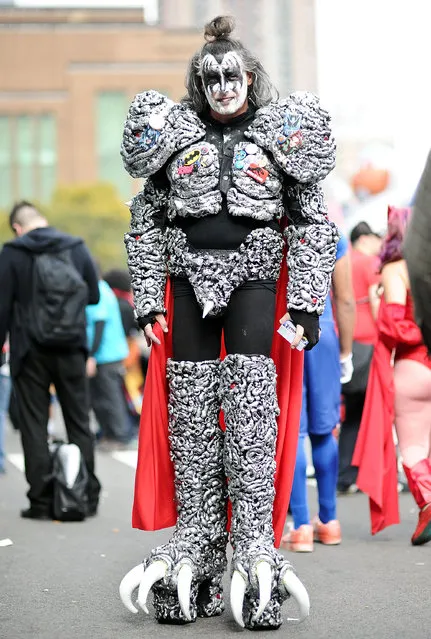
{"x": 250, "y": 159}
{"x": 240, "y": 155}
{"x": 296, "y": 141}
{"x": 206, "y": 160}
{"x": 292, "y": 123}
{"x": 257, "y": 173}
{"x": 262, "y": 160}
{"x": 251, "y": 149}
{"x": 293, "y": 143}
{"x": 148, "y": 138}
{"x": 156, "y": 122}
{"x": 185, "y": 169}
{"x": 192, "y": 157}
{"x": 239, "y": 159}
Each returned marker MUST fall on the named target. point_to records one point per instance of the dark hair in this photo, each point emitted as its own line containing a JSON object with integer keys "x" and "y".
{"x": 218, "y": 42}
{"x": 362, "y": 228}
{"x": 14, "y": 215}
{"x": 392, "y": 248}
{"x": 118, "y": 278}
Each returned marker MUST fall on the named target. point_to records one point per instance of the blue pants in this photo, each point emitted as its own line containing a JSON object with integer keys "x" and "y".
{"x": 319, "y": 416}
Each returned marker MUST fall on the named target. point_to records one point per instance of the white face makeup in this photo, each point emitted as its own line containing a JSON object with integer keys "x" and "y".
{"x": 225, "y": 83}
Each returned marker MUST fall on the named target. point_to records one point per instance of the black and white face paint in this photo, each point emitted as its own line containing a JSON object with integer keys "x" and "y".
{"x": 225, "y": 82}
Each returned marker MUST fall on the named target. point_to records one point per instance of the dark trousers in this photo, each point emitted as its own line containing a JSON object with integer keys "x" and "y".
{"x": 247, "y": 323}
{"x": 108, "y": 401}
{"x": 354, "y": 405}
{"x": 66, "y": 371}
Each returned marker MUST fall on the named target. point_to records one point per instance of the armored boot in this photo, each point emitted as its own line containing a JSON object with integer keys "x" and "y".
{"x": 186, "y": 574}
{"x": 262, "y": 579}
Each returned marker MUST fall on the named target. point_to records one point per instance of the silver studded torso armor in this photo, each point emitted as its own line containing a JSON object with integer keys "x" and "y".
{"x": 254, "y": 171}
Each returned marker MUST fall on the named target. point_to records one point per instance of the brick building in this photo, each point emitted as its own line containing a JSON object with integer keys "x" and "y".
{"x": 67, "y": 77}
{"x": 66, "y": 80}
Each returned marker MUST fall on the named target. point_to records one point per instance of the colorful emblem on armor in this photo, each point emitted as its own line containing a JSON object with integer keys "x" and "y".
{"x": 292, "y": 123}
{"x": 147, "y": 138}
{"x": 192, "y": 157}
{"x": 257, "y": 172}
{"x": 291, "y": 139}
{"x": 185, "y": 170}
{"x": 240, "y": 157}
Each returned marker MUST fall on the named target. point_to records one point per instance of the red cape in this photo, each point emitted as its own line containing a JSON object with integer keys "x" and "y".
{"x": 154, "y": 501}
{"x": 375, "y": 453}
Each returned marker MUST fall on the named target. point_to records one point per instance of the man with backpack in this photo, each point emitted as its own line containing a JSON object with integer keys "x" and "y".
{"x": 47, "y": 278}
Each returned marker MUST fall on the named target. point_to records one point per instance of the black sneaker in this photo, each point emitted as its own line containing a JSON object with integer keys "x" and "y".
{"x": 35, "y": 513}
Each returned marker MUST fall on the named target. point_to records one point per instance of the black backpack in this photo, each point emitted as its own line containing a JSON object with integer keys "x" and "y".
{"x": 57, "y": 308}
{"x": 70, "y": 479}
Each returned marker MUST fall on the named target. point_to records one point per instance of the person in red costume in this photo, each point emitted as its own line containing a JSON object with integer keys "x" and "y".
{"x": 400, "y": 395}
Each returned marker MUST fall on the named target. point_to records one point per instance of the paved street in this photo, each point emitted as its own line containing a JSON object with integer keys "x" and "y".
{"x": 61, "y": 580}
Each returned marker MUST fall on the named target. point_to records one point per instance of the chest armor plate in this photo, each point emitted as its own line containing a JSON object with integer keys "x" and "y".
{"x": 251, "y": 182}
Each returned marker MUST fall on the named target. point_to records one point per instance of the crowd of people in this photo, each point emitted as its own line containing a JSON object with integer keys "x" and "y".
{"x": 229, "y": 174}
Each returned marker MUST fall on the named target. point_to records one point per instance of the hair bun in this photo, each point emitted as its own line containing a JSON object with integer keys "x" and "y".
{"x": 219, "y": 29}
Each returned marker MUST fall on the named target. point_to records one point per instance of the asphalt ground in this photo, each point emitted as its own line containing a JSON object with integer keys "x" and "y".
{"x": 61, "y": 580}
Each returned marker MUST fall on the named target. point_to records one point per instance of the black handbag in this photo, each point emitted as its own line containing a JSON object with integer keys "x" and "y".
{"x": 362, "y": 355}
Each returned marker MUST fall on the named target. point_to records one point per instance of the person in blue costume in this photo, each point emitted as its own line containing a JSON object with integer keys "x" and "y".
{"x": 325, "y": 367}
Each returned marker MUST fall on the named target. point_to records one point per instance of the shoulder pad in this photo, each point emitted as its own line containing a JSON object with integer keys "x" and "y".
{"x": 156, "y": 128}
{"x": 296, "y": 131}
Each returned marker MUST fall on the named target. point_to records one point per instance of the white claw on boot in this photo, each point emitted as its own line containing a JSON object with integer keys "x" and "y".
{"x": 264, "y": 577}
{"x": 128, "y": 585}
{"x": 237, "y": 592}
{"x": 153, "y": 573}
{"x": 208, "y": 307}
{"x": 183, "y": 588}
{"x": 297, "y": 589}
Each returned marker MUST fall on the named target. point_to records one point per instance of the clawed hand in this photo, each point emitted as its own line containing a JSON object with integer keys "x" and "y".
{"x": 148, "y": 329}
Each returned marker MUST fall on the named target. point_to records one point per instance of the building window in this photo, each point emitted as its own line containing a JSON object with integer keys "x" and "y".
{"x": 28, "y": 158}
{"x": 111, "y": 112}
{"x": 6, "y": 185}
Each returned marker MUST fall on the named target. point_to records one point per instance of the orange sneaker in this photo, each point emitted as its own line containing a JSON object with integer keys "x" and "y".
{"x": 299, "y": 540}
{"x": 328, "y": 534}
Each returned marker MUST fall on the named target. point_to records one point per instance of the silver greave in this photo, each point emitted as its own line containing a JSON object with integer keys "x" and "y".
{"x": 200, "y": 537}
{"x": 249, "y": 402}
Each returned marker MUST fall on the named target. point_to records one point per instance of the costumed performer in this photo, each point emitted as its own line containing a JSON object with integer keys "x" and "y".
{"x": 223, "y": 169}
{"x": 400, "y": 395}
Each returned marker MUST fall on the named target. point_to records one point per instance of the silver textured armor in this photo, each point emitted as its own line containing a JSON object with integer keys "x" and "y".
{"x": 154, "y": 130}
{"x": 200, "y": 537}
{"x": 158, "y": 131}
{"x": 296, "y": 131}
{"x": 249, "y": 402}
{"x": 194, "y": 176}
{"x": 146, "y": 250}
{"x": 215, "y": 274}
{"x": 312, "y": 250}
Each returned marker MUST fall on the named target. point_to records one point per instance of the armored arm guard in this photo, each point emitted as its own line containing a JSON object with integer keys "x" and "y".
{"x": 155, "y": 129}
{"x": 297, "y": 133}
{"x": 146, "y": 249}
{"x": 312, "y": 246}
